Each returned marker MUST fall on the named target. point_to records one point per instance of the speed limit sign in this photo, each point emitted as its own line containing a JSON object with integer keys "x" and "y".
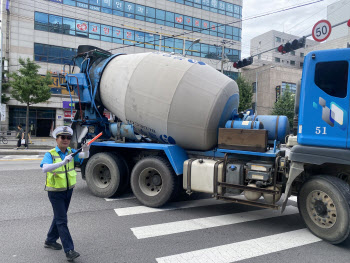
{"x": 321, "y": 31}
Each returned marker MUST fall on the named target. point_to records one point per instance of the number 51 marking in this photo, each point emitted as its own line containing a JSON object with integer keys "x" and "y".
{"x": 319, "y": 130}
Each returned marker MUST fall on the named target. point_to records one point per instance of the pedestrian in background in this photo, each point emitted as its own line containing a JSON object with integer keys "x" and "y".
{"x": 58, "y": 164}
{"x": 20, "y": 137}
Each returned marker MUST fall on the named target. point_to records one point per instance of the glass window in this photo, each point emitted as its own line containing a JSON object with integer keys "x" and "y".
{"x": 213, "y": 52}
{"x": 205, "y": 26}
{"x": 107, "y": 39}
{"x": 118, "y": 32}
{"x": 197, "y": 23}
{"x": 118, "y": 5}
{"x": 204, "y": 50}
{"x": 150, "y": 12}
{"x": 94, "y": 28}
{"x": 41, "y": 21}
{"x": 69, "y": 2}
{"x": 301, "y": 64}
{"x": 128, "y": 35}
{"x": 301, "y": 54}
{"x": 235, "y": 31}
{"x": 278, "y": 39}
{"x": 140, "y": 10}
{"x": 106, "y": 10}
{"x": 93, "y": 36}
{"x": 107, "y": 3}
{"x": 197, "y": 50}
{"x": 68, "y": 26}
{"x": 81, "y": 28}
{"x": 55, "y": 24}
{"x": 189, "y": 3}
{"x": 140, "y": 37}
{"x": 292, "y": 62}
{"x": 221, "y": 30}
{"x": 95, "y": 8}
{"x": 170, "y": 17}
{"x": 180, "y": 1}
{"x": 106, "y": 30}
{"x": 169, "y": 44}
{"x": 95, "y": 2}
{"x": 205, "y": 4}
{"x": 291, "y": 86}
{"x": 156, "y": 39}
{"x": 129, "y": 7}
{"x": 160, "y": 14}
{"x": 82, "y": 5}
{"x": 292, "y": 53}
{"x": 188, "y": 21}
{"x": 55, "y": 55}
{"x": 332, "y": 77}
{"x": 197, "y": 3}
{"x": 213, "y": 29}
{"x": 229, "y": 8}
{"x": 214, "y": 3}
{"x": 179, "y": 43}
{"x": 277, "y": 60}
{"x": 40, "y": 52}
{"x": 179, "y": 21}
{"x": 149, "y": 40}
{"x": 229, "y": 30}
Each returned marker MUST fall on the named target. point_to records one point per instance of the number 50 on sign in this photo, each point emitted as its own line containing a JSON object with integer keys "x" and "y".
{"x": 321, "y": 30}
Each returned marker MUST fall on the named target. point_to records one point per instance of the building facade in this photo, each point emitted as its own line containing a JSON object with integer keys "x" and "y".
{"x": 50, "y": 31}
{"x": 271, "y": 40}
{"x": 269, "y": 82}
{"x": 338, "y": 12}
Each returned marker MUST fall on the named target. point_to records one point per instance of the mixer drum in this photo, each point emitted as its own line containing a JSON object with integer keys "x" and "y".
{"x": 168, "y": 98}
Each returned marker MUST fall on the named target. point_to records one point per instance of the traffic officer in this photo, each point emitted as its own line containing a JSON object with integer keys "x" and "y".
{"x": 58, "y": 164}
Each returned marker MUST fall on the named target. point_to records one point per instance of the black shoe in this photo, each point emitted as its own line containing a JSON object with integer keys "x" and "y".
{"x": 54, "y": 246}
{"x": 71, "y": 255}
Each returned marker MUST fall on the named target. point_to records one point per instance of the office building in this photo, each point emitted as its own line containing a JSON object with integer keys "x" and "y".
{"x": 49, "y": 31}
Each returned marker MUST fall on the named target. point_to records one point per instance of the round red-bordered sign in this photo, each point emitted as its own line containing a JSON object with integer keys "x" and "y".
{"x": 321, "y": 30}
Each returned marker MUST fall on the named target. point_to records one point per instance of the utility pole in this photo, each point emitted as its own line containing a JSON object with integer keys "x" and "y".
{"x": 1, "y": 64}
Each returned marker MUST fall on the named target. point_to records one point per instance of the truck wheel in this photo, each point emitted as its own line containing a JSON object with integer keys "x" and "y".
{"x": 323, "y": 203}
{"x": 153, "y": 181}
{"x": 106, "y": 174}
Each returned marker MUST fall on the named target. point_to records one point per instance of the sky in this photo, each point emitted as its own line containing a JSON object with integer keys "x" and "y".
{"x": 299, "y": 21}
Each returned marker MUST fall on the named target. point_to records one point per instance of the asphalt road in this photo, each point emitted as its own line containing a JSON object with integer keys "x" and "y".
{"x": 195, "y": 229}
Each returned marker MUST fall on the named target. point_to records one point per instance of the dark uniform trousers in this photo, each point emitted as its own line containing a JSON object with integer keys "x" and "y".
{"x": 59, "y": 227}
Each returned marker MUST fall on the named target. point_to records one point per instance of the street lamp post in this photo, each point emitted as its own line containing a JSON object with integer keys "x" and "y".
{"x": 194, "y": 42}
{"x": 256, "y": 88}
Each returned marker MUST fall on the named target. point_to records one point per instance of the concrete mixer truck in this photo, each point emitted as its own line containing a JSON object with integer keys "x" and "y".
{"x": 176, "y": 127}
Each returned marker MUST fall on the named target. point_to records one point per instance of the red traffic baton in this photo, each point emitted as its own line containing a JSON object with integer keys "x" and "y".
{"x": 93, "y": 139}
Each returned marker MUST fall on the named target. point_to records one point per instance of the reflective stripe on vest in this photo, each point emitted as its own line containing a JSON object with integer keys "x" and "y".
{"x": 57, "y": 179}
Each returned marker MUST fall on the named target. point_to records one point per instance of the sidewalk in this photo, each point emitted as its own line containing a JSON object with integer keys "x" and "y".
{"x": 39, "y": 145}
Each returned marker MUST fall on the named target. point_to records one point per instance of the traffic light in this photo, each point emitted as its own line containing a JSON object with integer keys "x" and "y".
{"x": 290, "y": 46}
{"x": 243, "y": 63}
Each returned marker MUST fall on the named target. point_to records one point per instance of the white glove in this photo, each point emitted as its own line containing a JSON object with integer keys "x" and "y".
{"x": 53, "y": 166}
{"x": 85, "y": 151}
{"x": 67, "y": 159}
{"x": 85, "y": 147}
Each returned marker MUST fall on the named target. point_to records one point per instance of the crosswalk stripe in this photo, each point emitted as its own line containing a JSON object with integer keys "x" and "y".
{"x": 245, "y": 249}
{"x": 207, "y": 222}
{"x": 135, "y": 210}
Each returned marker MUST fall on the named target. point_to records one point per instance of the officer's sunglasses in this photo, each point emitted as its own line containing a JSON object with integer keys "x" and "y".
{"x": 63, "y": 137}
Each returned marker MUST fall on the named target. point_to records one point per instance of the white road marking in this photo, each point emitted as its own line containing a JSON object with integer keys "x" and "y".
{"x": 136, "y": 210}
{"x": 207, "y": 222}
{"x": 246, "y": 249}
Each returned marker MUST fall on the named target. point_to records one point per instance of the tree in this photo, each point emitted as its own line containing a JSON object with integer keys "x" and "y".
{"x": 29, "y": 87}
{"x": 285, "y": 105}
{"x": 245, "y": 94}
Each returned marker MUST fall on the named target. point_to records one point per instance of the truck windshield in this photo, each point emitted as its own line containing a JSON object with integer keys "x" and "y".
{"x": 332, "y": 77}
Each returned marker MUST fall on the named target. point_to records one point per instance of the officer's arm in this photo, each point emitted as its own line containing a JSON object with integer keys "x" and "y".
{"x": 48, "y": 167}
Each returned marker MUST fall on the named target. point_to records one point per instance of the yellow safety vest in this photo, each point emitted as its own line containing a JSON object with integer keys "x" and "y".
{"x": 62, "y": 178}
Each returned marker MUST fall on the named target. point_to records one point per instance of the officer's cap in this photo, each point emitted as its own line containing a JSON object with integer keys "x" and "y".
{"x": 62, "y": 130}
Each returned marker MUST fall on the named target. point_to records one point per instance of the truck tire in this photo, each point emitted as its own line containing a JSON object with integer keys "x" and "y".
{"x": 106, "y": 174}
{"x": 323, "y": 203}
{"x": 153, "y": 181}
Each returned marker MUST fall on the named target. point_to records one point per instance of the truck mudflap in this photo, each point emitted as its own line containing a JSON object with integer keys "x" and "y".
{"x": 295, "y": 170}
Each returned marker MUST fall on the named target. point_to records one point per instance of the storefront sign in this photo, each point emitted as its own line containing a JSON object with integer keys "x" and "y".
{"x": 68, "y": 104}
{"x": 68, "y": 114}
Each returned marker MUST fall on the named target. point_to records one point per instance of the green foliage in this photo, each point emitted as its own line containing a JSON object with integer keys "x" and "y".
{"x": 285, "y": 106}
{"x": 27, "y": 85}
{"x": 4, "y": 98}
{"x": 245, "y": 94}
